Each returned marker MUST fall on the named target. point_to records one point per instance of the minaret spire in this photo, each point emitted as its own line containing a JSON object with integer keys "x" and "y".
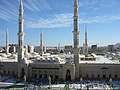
{"x": 7, "y": 48}
{"x": 86, "y": 35}
{"x": 41, "y": 43}
{"x": 21, "y": 32}
{"x": 86, "y": 42}
{"x": 76, "y": 39}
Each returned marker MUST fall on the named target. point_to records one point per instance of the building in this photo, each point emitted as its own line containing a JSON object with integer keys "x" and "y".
{"x": 93, "y": 48}
{"x": 57, "y": 66}
{"x": 68, "y": 49}
{"x": 12, "y": 48}
{"x": 111, "y": 48}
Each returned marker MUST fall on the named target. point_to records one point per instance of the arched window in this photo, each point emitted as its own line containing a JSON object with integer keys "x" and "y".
{"x": 116, "y": 76}
{"x": 87, "y": 76}
{"x": 45, "y": 76}
{"x": 68, "y": 75}
{"x": 56, "y": 77}
{"x": 104, "y": 76}
{"x": 40, "y": 76}
{"x": 4, "y": 72}
{"x": 35, "y": 75}
{"x": 98, "y": 76}
{"x": 22, "y": 73}
{"x": 109, "y": 75}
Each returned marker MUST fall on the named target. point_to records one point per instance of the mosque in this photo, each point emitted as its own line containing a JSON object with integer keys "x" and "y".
{"x": 32, "y": 65}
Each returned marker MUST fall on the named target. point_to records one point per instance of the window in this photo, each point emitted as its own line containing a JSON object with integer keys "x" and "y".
{"x": 110, "y": 76}
{"x": 98, "y": 76}
{"x": 116, "y": 76}
{"x": 82, "y": 58}
{"x": 40, "y": 76}
{"x": 35, "y": 76}
{"x": 45, "y": 76}
{"x": 104, "y": 76}
{"x": 51, "y": 76}
{"x": 56, "y": 77}
{"x": 87, "y": 76}
{"x": 4, "y": 72}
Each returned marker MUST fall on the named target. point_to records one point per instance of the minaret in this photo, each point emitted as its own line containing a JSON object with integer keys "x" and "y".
{"x": 45, "y": 47}
{"x": 76, "y": 39}
{"x": 86, "y": 43}
{"x": 41, "y": 44}
{"x": 20, "y": 38}
{"x": 59, "y": 47}
{"x": 21, "y": 33}
{"x": 7, "y": 46}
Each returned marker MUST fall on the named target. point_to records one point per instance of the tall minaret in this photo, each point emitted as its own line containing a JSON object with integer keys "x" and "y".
{"x": 85, "y": 43}
{"x": 21, "y": 33}
{"x": 45, "y": 47}
{"x": 7, "y": 46}
{"x": 41, "y": 44}
{"x": 20, "y": 38}
{"x": 76, "y": 39}
{"x": 59, "y": 47}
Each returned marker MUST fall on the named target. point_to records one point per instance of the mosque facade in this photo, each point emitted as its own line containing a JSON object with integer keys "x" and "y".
{"x": 32, "y": 65}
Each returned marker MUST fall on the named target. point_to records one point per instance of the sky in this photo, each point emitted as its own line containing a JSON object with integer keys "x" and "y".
{"x": 55, "y": 19}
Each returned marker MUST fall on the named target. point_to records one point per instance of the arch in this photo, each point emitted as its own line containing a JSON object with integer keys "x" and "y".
{"x": 109, "y": 75}
{"x": 35, "y": 76}
{"x": 98, "y": 76}
{"x": 104, "y": 76}
{"x": 8, "y": 72}
{"x": 22, "y": 73}
{"x": 68, "y": 75}
{"x": 87, "y": 76}
{"x": 56, "y": 78}
{"x": 40, "y": 76}
{"x": 45, "y": 76}
{"x": 4, "y": 72}
{"x": 116, "y": 76}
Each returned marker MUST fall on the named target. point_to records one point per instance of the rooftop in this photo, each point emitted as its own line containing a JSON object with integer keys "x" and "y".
{"x": 58, "y": 59}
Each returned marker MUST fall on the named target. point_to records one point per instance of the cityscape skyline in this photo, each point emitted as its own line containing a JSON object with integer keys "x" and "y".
{"x": 56, "y": 22}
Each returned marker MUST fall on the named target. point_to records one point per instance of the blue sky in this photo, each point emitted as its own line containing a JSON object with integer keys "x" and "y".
{"x": 55, "y": 19}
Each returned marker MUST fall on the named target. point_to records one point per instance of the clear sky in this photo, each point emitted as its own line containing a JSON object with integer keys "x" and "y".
{"x": 55, "y": 19}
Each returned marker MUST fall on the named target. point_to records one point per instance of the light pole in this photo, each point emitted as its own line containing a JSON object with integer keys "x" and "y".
{"x": 110, "y": 81}
{"x": 81, "y": 79}
{"x": 49, "y": 80}
{"x": 25, "y": 82}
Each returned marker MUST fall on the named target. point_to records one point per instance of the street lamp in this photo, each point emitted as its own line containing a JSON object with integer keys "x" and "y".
{"x": 49, "y": 80}
{"x": 81, "y": 79}
{"x": 110, "y": 81}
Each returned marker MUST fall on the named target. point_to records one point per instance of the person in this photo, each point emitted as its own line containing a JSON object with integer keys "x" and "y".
{"x": 87, "y": 87}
